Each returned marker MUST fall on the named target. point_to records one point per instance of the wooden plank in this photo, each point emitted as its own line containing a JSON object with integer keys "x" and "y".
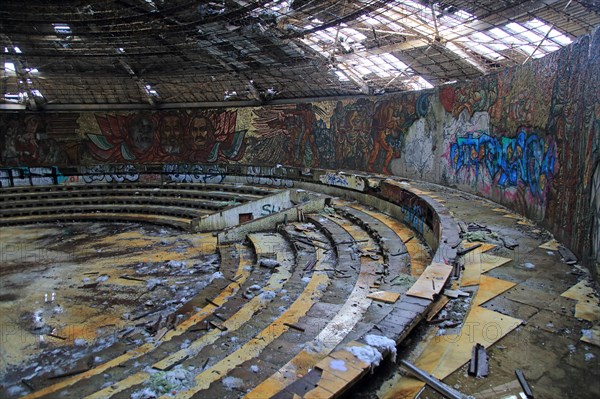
{"x": 490, "y": 287}
{"x": 592, "y": 336}
{"x": 437, "y": 306}
{"x": 489, "y": 262}
{"x": 384, "y": 296}
{"x": 431, "y": 281}
{"x": 485, "y": 246}
{"x": 551, "y": 245}
{"x": 472, "y": 272}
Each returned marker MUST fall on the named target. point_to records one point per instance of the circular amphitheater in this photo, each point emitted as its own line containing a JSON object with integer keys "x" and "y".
{"x": 258, "y": 286}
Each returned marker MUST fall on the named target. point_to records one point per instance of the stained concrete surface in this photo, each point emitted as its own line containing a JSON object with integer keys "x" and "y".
{"x": 63, "y": 295}
{"x": 546, "y": 347}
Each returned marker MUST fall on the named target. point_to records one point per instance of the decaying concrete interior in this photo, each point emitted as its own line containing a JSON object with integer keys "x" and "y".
{"x": 300, "y": 199}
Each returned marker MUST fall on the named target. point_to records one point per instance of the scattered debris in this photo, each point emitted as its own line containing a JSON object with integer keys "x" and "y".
{"x": 456, "y": 293}
{"x": 233, "y": 383}
{"x": 293, "y": 326}
{"x": 509, "y": 242}
{"x": 478, "y": 366}
{"x": 467, "y": 250}
{"x": 433, "y": 382}
{"x": 528, "y": 265}
{"x": 269, "y": 263}
{"x": 526, "y": 388}
{"x": 126, "y": 277}
{"x": 568, "y": 256}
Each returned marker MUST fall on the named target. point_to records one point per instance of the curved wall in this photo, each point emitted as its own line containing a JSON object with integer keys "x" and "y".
{"x": 527, "y": 137}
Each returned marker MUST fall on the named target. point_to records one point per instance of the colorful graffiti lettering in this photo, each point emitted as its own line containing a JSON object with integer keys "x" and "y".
{"x": 414, "y": 217}
{"x": 526, "y": 159}
{"x": 168, "y": 136}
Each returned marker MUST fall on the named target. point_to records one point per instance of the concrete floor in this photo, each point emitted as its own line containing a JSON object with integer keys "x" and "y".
{"x": 64, "y": 295}
{"x": 546, "y": 346}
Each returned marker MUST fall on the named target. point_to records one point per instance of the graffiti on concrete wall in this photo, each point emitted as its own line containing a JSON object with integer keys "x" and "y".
{"x": 183, "y": 173}
{"x": 595, "y": 208}
{"x": 205, "y": 136}
{"x": 109, "y": 173}
{"x": 30, "y": 176}
{"x": 414, "y": 216}
{"x": 275, "y": 176}
{"x": 343, "y": 180}
{"x": 507, "y": 161}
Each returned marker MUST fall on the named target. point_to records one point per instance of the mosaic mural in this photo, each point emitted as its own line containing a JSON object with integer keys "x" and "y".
{"x": 526, "y": 137}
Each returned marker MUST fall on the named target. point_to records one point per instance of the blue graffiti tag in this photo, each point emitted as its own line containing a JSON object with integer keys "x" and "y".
{"x": 526, "y": 158}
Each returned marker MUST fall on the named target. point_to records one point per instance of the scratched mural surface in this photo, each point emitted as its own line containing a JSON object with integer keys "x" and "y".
{"x": 527, "y": 137}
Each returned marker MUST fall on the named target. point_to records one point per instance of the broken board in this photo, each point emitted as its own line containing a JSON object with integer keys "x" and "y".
{"x": 592, "y": 336}
{"x": 489, "y": 262}
{"x": 384, "y": 296}
{"x": 431, "y": 282}
{"x": 490, "y": 287}
{"x": 551, "y": 245}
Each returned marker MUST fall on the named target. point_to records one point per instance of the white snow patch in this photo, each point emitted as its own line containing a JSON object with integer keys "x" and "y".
{"x": 145, "y": 393}
{"x": 215, "y": 276}
{"x": 15, "y": 390}
{"x": 528, "y": 265}
{"x": 153, "y": 282}
{"x": 382, "y": 344}
{"x": 338, "y": 365}
{"x": 267, "y": 296}
{"x": 175, "y": 263}
{"x": 232, "y": 383}
{"x": 306, "y": 279}
{"x": 80, "y": 342}
{"x": 38, "y": 319}
{"x": 254, "y": 368}
{"x": 589, "y": 356}
{"x": 102, "y": 278}
{"x": 185, "y": 344}
{"x": 366, "y": 354}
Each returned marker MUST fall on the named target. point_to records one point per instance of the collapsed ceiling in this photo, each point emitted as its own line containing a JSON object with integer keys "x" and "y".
{"x": 159, "y": 53}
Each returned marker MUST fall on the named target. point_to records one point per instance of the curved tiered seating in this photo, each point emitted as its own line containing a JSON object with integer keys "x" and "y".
{"x": 173, "y": 204}
{"x": 284, "y": 321}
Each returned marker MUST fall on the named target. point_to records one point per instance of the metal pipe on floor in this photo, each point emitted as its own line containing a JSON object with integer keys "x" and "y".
{"x": 433, "y": 382}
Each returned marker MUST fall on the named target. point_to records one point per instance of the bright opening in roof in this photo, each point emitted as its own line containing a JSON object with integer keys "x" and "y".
{"x": 62, "y": 29}
{"x": 9, "y": 68}
{"x": 150, "y": 91}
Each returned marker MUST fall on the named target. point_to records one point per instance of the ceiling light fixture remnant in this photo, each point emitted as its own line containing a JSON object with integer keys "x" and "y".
{"x": 120, "y": 50}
